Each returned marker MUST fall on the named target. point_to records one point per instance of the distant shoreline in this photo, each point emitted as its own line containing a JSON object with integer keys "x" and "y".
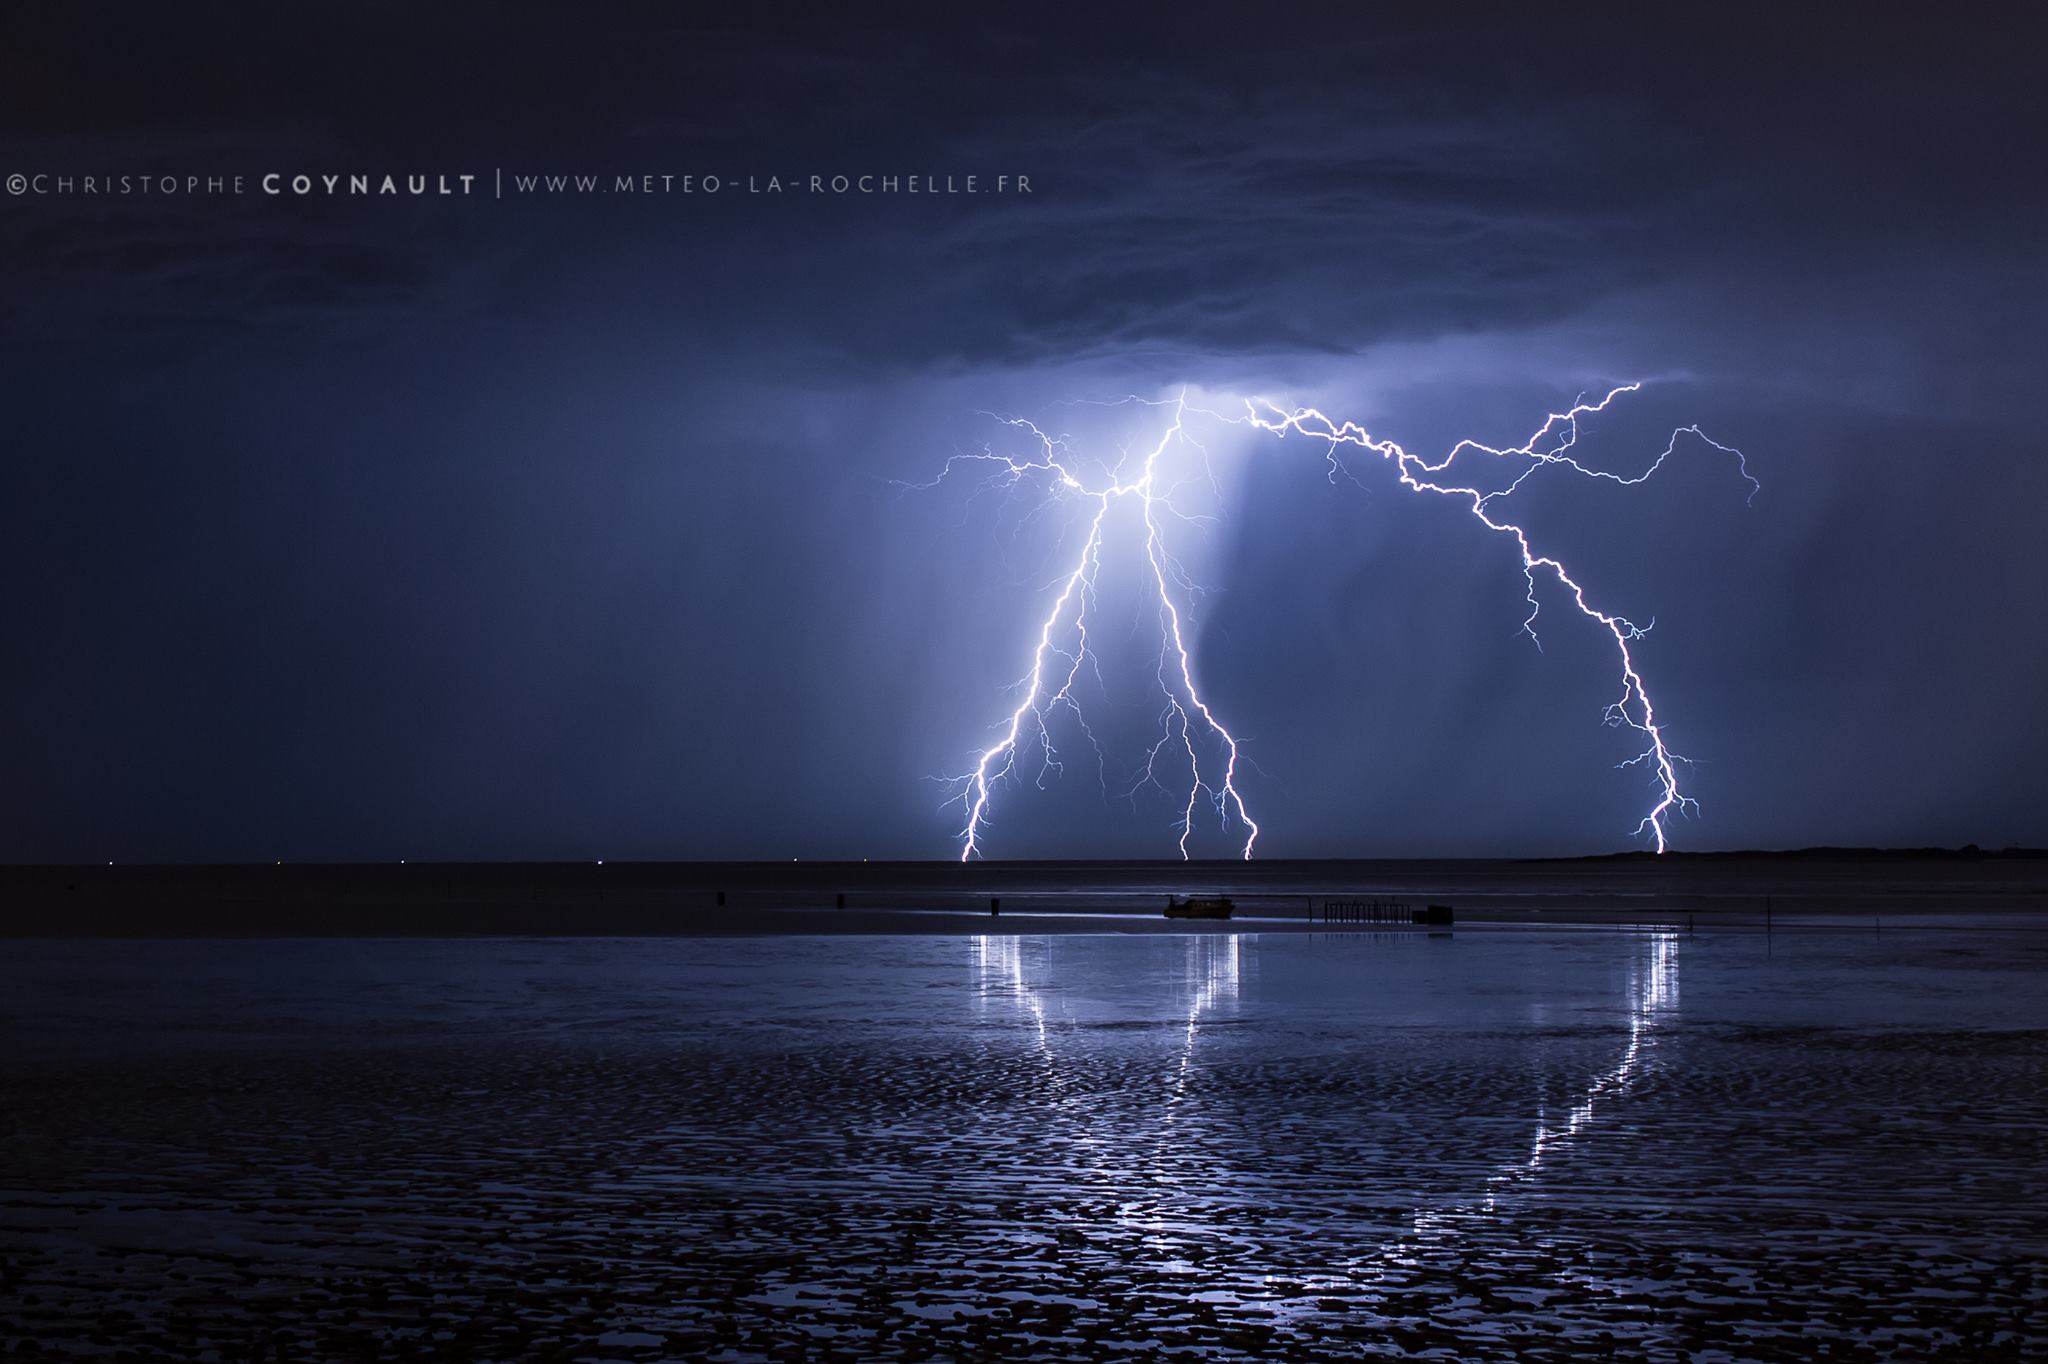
{"x": 634, "y": 899}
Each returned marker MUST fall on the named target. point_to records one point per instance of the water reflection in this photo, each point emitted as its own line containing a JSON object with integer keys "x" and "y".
{"x": 1018, "y": 971}
{"x": 1214, "y": 970}
{"x": 1651, "y": 1005}
{"x": 1652, "y": 1002}
{"x": 1003, "y": 970}
{"x": 1000, "y": 973}
{"x": 1173, "y": 1163}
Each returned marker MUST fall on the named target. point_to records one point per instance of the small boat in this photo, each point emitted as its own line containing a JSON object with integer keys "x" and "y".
{"x": 1199, "y": 907}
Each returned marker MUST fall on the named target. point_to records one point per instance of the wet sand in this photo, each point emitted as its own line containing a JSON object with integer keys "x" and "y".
{"x": 1507, "y": 1143}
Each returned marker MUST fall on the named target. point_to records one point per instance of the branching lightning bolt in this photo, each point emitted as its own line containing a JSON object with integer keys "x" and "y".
{"x": 1050, "y": 683}
{"x": 1549, "y": 446}
{"x": 1188, "y": 722}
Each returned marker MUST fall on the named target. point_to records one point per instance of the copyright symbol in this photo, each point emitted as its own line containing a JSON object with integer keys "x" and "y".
{"x": 17, "y": 183}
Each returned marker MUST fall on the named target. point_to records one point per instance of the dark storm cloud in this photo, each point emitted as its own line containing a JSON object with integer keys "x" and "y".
{"x": 1278, "y": 229}
{"x": 193, "y": 273}
{"x": 99, "y": 265}
{"x": 1200, "y": 184}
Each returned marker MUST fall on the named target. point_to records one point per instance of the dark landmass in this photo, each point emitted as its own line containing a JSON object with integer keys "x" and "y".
{"x": 618, "y": 898}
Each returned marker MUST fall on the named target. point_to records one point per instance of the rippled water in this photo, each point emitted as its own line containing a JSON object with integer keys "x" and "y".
{"x": 1488, "y": 1144}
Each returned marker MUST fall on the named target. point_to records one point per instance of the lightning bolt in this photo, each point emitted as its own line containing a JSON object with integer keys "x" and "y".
{"x": 1188, "y": 723}
{"x": 1062, "y": 650}
{"x": 1550, "y": 446}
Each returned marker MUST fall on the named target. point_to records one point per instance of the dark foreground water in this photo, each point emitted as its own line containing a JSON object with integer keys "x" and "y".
{"x": 1545, "y": 1145}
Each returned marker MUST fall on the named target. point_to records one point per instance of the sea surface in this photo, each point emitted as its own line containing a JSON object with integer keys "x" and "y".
{"x": 1493, "y": 1143}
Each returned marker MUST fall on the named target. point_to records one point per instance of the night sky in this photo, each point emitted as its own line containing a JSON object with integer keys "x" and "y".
{"x": 565, "y": 526}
